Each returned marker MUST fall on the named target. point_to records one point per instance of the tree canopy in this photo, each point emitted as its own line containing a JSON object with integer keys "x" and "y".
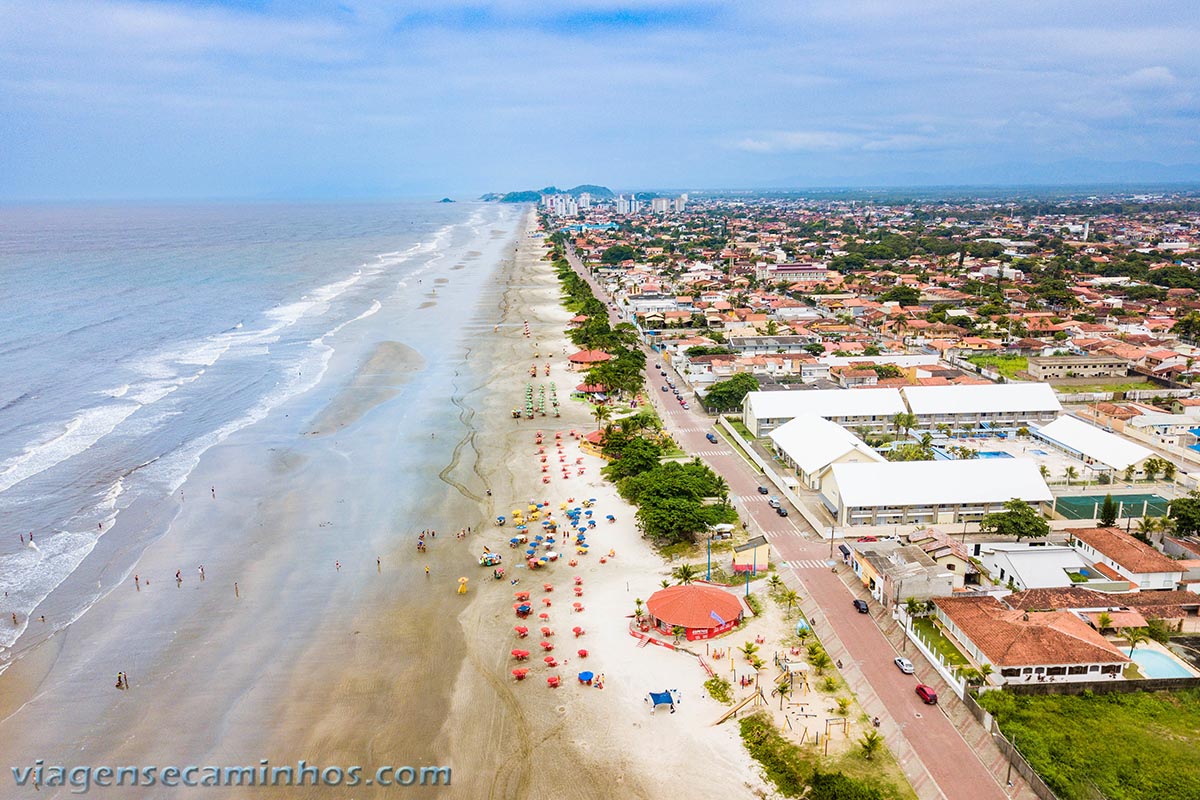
{"x": 728, "y": 395}
{"x": 1018, "y": 519}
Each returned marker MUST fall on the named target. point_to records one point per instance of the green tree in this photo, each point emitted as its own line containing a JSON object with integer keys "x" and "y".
{"x": 618, "y": 253}
{"x": 728, "y": 395}
{"x": 601, "y": 414}
{"x": 748, "y": 650}
{"x": 685, "y": 573}
{"x": 1103, "y": 621}
{"x": 1070, "y": 473}
{"x": 1108, "y": 512}
{"x": 1018, "y": 519}
{"x": 1133, "y": 637}
{"x": 870, "y": 744}
{"x": 1185, "y": 514}
{"x": 638, "y": 455}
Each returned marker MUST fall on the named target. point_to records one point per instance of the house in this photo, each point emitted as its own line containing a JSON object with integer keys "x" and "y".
{"x": 1179, "y": 609}
{"x": 764, "y": 411}
{"x": 987, "y": 405}
{"x": 1087, "y": 366}
{"x": 948, "y": 554}
{"x": 1128, "y": 559}
{"x": 892, "y": 572}
{"x": 1023, "y": 646}
{"x": 1022, "y": 566}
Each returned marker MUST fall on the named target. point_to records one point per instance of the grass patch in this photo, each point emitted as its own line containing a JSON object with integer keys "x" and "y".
{"x": 1008, "y": 366}
{"x": 719, "y": 689}
{"x": 796, "y": 769}
{"x": 937, "y": 641}
{"x": 741, "y": 428}
{"x": 1128, "y": 746}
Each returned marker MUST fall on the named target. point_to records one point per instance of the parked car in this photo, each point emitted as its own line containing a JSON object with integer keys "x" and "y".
{"x": 711, "y": 437}
{"x": 904, "y": 665}
{"x": 866, "y": 539}
{"x": 781, "y": 511}
{"x": 773, "y": 502}
{"x": 685, "y": 406}
{"x": 664, "y": 388}
{"x": 927, "y": 694}
{"x": 658, "y": 367}
{"x": 862, "y": 606}
{"x": 763, "y": 490}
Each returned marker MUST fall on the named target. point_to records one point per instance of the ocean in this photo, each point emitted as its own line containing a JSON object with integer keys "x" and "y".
{"x": 137, "y": 338}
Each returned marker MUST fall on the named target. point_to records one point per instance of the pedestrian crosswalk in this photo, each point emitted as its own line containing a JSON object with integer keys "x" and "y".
{"x": 808, "y": 563}
{"x": 711, "y": 453}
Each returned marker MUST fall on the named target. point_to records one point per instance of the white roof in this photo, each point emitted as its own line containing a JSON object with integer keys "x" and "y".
{"x": 814, "y": 442}
{"x": 1040, "y": 567}
{"x": 826, "y": 403}
{"x": 994, "y": 398}
{"x": 1095, "y": 443}
{"x": 919, "y": 483}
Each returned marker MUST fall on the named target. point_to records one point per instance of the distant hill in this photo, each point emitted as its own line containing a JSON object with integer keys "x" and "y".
{"x": 535, "y": 195}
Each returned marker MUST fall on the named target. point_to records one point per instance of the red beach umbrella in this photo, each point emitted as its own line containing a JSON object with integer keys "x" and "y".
{"x": 546, "y": 631}
{"x": 583, "y": 653}
{"x": 521, "y": 630}
{"x": 547, "y": 587}
{"x": 547, "y": 646}
{"x": 578, "y": 631}
{"x": 543, "y": 615}
{"x": 520, "y": 673}
{"x": 553, "y": 681}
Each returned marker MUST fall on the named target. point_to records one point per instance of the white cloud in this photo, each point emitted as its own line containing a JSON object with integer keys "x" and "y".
{"x": 1149, "y": 78}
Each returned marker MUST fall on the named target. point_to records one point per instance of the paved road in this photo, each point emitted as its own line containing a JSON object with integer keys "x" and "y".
{"x": 954, "y": 766}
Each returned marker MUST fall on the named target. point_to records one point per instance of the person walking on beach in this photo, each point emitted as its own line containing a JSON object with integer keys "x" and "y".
{"x": 214, "y": 491}
{"x": 201, "y": 572}
{"x": 426, "y": 570}
{"x": 137, "y": 581}
{"x": 179, "y": 576}
{"x": 337, "y": 565}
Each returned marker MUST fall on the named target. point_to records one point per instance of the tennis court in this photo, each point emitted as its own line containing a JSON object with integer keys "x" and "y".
{"x": 1129, "y": 505}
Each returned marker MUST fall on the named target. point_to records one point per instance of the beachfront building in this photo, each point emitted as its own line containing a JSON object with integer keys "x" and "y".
{"x": 1021, "y": 566}
{"x": 584, "y": 360}
{"x": 1049, "y": 368}
{"x": 1023, "y": 647}
{"x": 872, "y": 409}
{"x": 702, "y": 611}
{"x": 1123, "y": 558}
{"x": 811, "y": 445}
{"x": 1003, "y": 405}
{"x": 923, "y": 492}
{"x": 1104, "y": 452}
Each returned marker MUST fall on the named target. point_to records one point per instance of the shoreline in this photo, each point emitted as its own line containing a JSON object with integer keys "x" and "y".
{"x": 376, "y": 663}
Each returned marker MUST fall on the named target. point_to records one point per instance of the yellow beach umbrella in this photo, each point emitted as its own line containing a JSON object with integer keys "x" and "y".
{"x": 462, "y": 585}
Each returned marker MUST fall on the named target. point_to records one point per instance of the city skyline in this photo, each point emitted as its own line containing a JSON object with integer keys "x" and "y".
{"x": 316, "y": 100}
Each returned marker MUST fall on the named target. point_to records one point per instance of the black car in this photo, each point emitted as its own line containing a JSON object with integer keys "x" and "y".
{"x": 862, "y": 606}
{"x": 781, "y": 511}
{"x": 763, "y": 490}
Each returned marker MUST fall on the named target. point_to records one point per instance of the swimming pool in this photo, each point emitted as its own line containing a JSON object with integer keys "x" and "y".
{"x": 1039, "y": 452}
{"x": 1155, "y": 664}
{"x": 994, "y": 454}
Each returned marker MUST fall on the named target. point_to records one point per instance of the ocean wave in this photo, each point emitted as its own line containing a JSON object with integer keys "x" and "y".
{"x": 81, "y": 432}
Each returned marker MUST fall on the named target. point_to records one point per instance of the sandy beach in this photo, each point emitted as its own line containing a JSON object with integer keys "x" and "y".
{"x": 315, "y": 633}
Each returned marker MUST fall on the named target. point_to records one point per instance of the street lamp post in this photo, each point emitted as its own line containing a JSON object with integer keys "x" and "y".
{"x": 708, "y": 571}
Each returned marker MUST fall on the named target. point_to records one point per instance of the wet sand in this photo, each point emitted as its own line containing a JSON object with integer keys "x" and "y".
{"x": 378, "y": 664}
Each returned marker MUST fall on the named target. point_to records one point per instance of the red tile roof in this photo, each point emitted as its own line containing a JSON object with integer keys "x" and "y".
{"x": 692, "y": 605}
{"x": 1126, "y": 551}
{"x": 1011, "y": 638}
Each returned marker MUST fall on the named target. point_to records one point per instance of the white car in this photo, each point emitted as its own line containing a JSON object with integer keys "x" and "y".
{"x": 904, "y": 665}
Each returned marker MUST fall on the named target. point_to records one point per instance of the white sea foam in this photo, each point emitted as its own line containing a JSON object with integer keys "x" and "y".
{"x": 31, "y": 573}
{"x": 84, "y": 430}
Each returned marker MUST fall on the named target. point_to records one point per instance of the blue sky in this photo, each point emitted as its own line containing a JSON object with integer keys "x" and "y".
{"x": 311, "y": 99}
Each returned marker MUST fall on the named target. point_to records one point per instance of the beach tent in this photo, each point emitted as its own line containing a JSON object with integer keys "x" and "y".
{"x": 663, "y": 698}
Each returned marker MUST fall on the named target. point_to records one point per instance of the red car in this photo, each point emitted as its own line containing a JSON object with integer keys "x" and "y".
{"x": 927, "y": 694}
{"x": 866, "y": 539}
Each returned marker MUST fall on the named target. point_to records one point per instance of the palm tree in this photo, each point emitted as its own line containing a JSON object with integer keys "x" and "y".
{"x": 820, "y": 662}
{"x": 870, "y": 744}
{"x": 1070, "y": 473}
{"x": 664, "y": 583}
{"x": 912, "y": 607}
{"x": 748, "y": 650}
{"x": 843, "y": 705}
{"x": 685, "y": 573}
{"x": 1152, "y": 468}
{"x": 775, "y": 581}
{"x": 1129, "y": 474}
{"x": 897, "y": 423}
{"x": 1042, "y": 468}
{"x": 637, "y": 608}
{"x": 790, "y": 597}
{"x": 784, "y": 688}
{"x": 721, "y": 487}
{"x": 1133, "y": 637}
{"x": 1103, "y": 621}
{"x": 601, "y": 413}
{"x": 985, "y": 670}
{"x": 1168, "y": 470}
